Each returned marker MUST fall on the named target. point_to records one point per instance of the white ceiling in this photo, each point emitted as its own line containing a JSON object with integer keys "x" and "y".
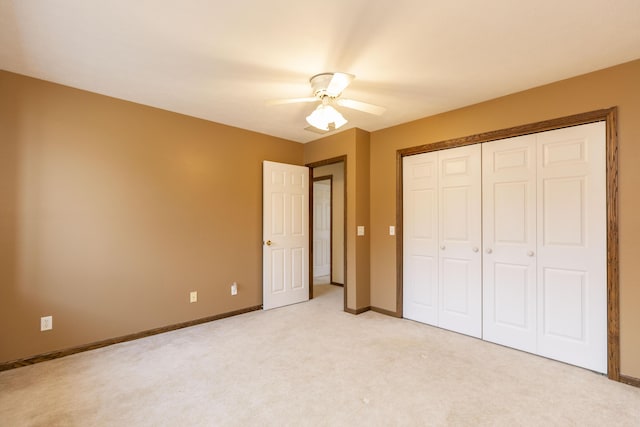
{"x": 222, "y": 60}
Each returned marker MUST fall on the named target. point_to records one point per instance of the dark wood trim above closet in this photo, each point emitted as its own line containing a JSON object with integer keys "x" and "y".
{"x": 608, "y": 115}
{"x": 563, "y": 122}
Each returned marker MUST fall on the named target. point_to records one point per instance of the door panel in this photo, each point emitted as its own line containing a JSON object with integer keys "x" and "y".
{"x": 510, "y": 209}
{"x": 278, "y": 267}
{"x": 297, "y": 268}
{"x": 511, "y": 296}
{"x": 298, "y": 212}
{"x": 423, "y": 267}
{"x": 564, "y": 227}
{"x": 509, "y": 239}
{"x": 572, "y": 236}
{"x": 460, "y": 278}
{"x": 285, "y": 234}
{"x": 278, "y": 206}
{"x": 455, "y": 214}
{"x": 420, "y": 269}
{"x": 422, "y": 211}
{"x": 564, "y": 293}
{"x": 455, "y": 288}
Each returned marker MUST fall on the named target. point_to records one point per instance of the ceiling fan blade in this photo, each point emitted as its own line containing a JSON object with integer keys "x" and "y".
{"x": 361, "y": 106}
{"x": 338, "y": 83}
{"x": 292, "y": 100}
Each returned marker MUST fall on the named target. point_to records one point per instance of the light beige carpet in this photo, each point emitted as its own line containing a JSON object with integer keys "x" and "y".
{"x": 311, "y": 364}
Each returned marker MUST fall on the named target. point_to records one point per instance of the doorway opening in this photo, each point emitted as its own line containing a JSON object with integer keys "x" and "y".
{"x": 327, "y": 224}
{"x": 322, "y": 229}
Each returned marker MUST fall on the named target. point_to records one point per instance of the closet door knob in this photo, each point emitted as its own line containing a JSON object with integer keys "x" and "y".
{"x": 530, "y": 253}
{"x": 443, "y": 247}
{"x": 475, "y": 249}
{"x": 489, "y": 250}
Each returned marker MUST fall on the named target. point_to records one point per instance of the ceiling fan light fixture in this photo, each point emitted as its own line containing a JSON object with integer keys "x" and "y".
{"x": 325, "y": 115}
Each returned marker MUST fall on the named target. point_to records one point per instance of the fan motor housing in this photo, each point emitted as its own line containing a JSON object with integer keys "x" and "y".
{"x": 330, "y": 84}
{"x": 320, "y": 83}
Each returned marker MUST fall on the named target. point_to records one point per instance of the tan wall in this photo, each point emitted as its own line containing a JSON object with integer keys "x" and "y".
{"x": 336, "y": 170}
{"x": 617, "y": 86}
{"x": 353, "y": 144}
{"x": 111, "y": 212}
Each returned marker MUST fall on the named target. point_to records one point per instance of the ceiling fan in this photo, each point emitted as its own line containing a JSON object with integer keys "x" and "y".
{"x": 327, "y": 88}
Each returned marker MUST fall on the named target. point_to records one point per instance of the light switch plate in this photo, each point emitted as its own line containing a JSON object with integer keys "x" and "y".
{"x": 46, "y": 323}
{"x": 392, "y": 230}
{"x": 361, "y": 230}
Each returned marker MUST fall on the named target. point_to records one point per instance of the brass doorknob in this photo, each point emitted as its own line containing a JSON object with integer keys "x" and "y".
{"x": 268, "y": 243}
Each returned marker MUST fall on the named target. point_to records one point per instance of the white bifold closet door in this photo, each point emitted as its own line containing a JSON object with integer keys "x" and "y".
{"x": 509, "y": 233}
{"x": 420, "y": 238}
{"x": 572, "y": 246}
{"x": 442, "y": 239}
{"x": 544, "y": 236}
{"x": 507, "y": 241}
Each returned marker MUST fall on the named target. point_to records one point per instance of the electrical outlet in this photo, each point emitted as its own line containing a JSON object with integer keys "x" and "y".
{"x": 193, "y": 296}
{"x": 234, "y": 289}
{"x": 46, "y": 323}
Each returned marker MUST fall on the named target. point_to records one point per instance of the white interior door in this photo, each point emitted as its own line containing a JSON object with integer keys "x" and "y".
{"x": 420, "y": 238}
{"x": 460, "y": 238}
{"x": 572, "y": 246}
{"x": 509, "y": 239}
{"x": 285, "y": 228}
{"x": 322, "y": 228}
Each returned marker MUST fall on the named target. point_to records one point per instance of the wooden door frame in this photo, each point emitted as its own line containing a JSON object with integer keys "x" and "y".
{"x": 313, "y": 181}
{"x": 311, "y": 166}
{"x": 610, "y": 117}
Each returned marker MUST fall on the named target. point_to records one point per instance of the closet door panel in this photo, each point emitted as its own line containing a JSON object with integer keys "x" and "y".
{"x": 509, "y": 239}
{"x": 420, "y": 250}
{"x": 460, "y": 278}
{"x": 511, "y": 300}
{"x": 572, "y": 271}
